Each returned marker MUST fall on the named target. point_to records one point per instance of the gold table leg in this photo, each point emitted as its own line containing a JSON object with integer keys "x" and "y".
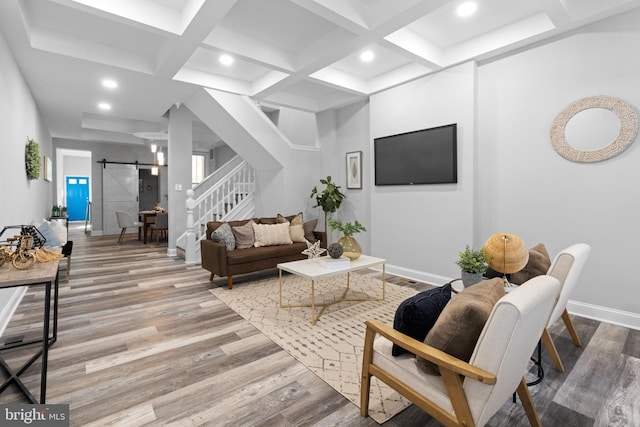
{"x": 343, "y": 298}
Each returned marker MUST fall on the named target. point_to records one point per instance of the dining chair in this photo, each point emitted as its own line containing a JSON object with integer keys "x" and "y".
{"x": 466, "y": 393}
{"x": 161, "y": 226}
{"x": 566, "y": 267}
{"x": 125, "y": 221}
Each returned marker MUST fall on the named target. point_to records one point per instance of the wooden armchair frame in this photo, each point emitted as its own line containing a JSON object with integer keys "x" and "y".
{"x": 451, "y": 369}
{"x": 567, "y": 268}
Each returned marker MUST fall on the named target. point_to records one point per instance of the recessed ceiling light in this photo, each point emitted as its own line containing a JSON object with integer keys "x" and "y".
{"x": 367, "y": 56}
{"x": 111, "y": 84}
{"x": 104, "y": 106}
{"x": 467, "y": 8}
{"x": 226, "y": 59}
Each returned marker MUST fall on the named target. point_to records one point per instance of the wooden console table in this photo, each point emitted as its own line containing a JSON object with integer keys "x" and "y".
{"x": 41, "y": 274}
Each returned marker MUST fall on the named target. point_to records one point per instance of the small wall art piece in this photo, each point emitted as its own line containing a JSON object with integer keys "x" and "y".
{"x": 48, "y": 169}
{"x": 625, "y": 113}
{"x": 354, "y": 170}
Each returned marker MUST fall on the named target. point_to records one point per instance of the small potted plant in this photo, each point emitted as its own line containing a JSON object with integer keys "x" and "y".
{"x": 473, "y": 264}
{"x": 351, "y": 247}
{"x": 55, "y": 211}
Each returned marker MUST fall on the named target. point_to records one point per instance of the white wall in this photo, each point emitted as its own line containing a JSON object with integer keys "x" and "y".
{"x": 420, "y": 229}
{"x": 21, "y": 200}
{"x": 352, "y": 133}
{"x": 525, "y": 187}
{"x": 298, "y": 126}
{"x": 510, "y": 178}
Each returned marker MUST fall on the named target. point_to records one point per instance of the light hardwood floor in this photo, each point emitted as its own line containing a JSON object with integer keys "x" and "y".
{"x": 142, "y": 341}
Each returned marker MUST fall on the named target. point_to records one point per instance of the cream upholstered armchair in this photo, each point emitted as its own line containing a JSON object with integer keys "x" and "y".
{"x": 566, "y": 267}
{"x": 125, "y": 221}
{"x": 470, "y": 393}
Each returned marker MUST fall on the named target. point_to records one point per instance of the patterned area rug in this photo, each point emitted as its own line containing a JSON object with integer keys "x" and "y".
{"x": 332, "y": 349}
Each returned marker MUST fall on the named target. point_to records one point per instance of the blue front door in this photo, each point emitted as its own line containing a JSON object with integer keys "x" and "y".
{"x": 77, "y": 197}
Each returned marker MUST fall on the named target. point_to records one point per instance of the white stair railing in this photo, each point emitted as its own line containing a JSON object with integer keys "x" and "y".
{"x": 231, "y": 196}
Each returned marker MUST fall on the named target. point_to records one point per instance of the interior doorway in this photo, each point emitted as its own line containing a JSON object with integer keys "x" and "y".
{"x": 149, "y": 189}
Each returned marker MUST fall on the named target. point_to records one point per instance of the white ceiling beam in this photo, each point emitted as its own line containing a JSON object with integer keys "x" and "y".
{"x": 176, "y": 52}
{"x": 342, "y": 13}
{"x": 249, "y": 49}
{"x": 199, "y": 78}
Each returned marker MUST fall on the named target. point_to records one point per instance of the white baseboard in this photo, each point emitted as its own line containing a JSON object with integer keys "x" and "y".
{"x": 604, "y": 314}
{"x": 96, "y": 233}
{"x": 590, "y": 311}
{"x": 416, "y": 275}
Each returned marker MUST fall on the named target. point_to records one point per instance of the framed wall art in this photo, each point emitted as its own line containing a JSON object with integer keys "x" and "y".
{"x": 48, "y": 169}
{"x": 354, "y": 170}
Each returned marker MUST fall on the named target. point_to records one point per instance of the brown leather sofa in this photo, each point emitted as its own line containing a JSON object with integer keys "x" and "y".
{"x": 219, "y": 261}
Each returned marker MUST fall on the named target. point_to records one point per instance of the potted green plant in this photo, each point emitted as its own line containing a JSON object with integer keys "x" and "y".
{"x": 32, "y": 159}
{"x": 473, "y": 264}
{"x": 328, "y": 199}
{"x": 351, "y": 247}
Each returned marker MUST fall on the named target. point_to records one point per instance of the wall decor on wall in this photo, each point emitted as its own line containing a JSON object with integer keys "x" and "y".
{"x": 354, "y": 169}
{"x": 48, "y": 169}
{"x": 625, "y": 113}
{"x": 32, "y": 159}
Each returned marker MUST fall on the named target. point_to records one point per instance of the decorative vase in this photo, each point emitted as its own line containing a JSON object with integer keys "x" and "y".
{"x": 469, "y": 279}
{"x": 351, "y": 247}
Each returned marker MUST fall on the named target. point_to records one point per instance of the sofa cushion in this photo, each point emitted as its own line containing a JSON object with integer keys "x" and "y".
{"x": 416, "y": 316}
{"x": 309, "y": 226}
{"x": 272, "y": 234}
{"x": 224, "y": 234}
{"x": 293, "y": 219}
{"x": 297, "y": 233}
{"x": 267, "y": 220}
{"x": 244, "y": 235}
{"x": 49, "y": 232}
{"x": 256, "y": 255}
{"x": 457, "y": 329}
{"x": 538, "y": 264}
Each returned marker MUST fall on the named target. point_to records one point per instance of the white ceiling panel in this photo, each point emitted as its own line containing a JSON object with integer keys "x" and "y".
{"x": 296, "y": 53}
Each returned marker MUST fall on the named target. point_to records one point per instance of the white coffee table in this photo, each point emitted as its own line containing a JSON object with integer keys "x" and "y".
{"x": 314, "y": 269}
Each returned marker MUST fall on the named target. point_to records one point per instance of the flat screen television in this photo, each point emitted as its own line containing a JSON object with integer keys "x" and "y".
{"x": 427, "y": 156}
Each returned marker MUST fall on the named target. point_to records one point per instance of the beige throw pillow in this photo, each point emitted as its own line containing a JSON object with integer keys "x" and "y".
{"x": 297, "y": 233}
{"x": 271, "y": 234}
{"x": 294, "y": 221}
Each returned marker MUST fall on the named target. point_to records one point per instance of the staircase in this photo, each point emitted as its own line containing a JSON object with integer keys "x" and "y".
{"x": 226, "y": 194}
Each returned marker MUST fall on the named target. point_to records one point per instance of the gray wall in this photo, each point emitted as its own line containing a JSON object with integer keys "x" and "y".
{"x": 21, "y": 200}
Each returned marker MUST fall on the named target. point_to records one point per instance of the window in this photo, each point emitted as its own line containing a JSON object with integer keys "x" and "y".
{"x": 197, "y": 168}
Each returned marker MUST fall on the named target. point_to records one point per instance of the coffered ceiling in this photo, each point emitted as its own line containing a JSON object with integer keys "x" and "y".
{"x": 301, "y": 54}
